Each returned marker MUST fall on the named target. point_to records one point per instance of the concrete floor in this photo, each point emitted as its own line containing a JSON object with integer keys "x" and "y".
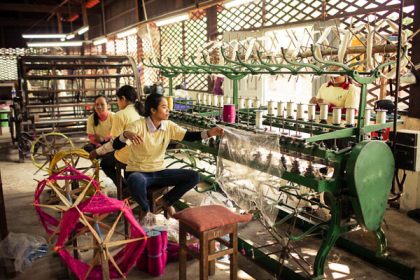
{"x": 18, "y": 183}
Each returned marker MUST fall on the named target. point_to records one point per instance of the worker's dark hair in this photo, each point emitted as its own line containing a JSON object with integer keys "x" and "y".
{"x": 152, "y": 101}
{"x": 131, "y": 96}
{"x": 95, "y": 115}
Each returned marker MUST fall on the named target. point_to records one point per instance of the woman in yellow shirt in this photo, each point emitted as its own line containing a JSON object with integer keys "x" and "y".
{"x": 338, "y": 92}
{"x": 150, "y": 138}
{"x": 130, "y": 110}
{"x": 98, "y": 126}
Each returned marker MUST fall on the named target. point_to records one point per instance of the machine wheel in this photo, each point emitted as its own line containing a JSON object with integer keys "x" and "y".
{"x": 45, "y": 147}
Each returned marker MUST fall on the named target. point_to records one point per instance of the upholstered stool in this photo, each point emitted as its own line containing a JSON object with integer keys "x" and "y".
{"x": 209, "y": 224}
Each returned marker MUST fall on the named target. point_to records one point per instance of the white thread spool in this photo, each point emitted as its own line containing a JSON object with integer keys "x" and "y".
{"x": 300, "y": 111}
{"x": 350, "y": 114}
{"x": 323, "y": 112}
{"x": 311, "y": 112}
{"x": 209, "y": 99}
{"x": 199, "y": 97}
{"x": 381, "y": 116}
{"x": 241, "y": 103}
{"x": 259, "y": 119}
{"x": 215, "y": 100}
{"x": 220, "y": 100}
{"x": 228, "y": 100}
{"x": 290, "y": 110}
{"x": 280, "y": 109}
{"x": 368, "y": 113}
{"x": 270, "y": 107}
{"x": 336, "y": 116}
{"x": 256, "y": 103}
{"x": 205, "y": 97}
{"x": 248, "y": 103}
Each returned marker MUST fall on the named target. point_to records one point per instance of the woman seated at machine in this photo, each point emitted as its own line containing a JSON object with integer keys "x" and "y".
{"x": 98, "y": 126}
{"x": 129, "y": 111}
{"x": 338, "y": 92}
{"x": 150, "y": 138}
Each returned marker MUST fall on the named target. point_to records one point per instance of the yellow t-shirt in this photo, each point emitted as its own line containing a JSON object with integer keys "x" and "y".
{"x": 103, "y": 129}
{"x": 149, "y": 156}
{"x": 120, "y": 123}
{"x": 344, "y": 98}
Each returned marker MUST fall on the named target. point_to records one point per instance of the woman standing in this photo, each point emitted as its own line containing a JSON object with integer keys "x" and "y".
{"x": 150, "y": 138}
{"x": 98, "y": 126}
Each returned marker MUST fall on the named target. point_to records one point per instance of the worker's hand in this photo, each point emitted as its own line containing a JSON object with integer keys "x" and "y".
{"x": 134, "y": 138}
{"x": 97, "y": 139}
{"x": 313, "y": 100}
{"x": 320, "y": 101}
{"x": 215, "y": 131}
{"x": 93, "y": 155}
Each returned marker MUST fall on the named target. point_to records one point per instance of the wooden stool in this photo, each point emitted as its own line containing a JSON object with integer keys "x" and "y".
{"x": 209, "y": 224}
{"x": 153, "y": 193}
{"x": 120, "y": 169}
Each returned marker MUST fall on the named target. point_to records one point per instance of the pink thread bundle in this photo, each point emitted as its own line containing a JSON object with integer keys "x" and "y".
{"x": 155, "y": 257}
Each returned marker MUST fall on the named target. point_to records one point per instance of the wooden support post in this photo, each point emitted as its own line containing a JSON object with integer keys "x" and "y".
{"x": 414, "y": 107}
{"x": 3, "y": 220}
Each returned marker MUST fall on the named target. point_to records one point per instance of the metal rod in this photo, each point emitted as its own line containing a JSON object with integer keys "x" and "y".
{"x": 397, "y": 79}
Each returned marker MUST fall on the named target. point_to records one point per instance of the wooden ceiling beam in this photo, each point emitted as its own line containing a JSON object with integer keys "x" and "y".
{"x": 23, "y": 23}
{"x": 32, "y": 8}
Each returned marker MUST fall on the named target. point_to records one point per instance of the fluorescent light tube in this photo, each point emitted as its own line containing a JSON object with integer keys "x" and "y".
{"x": 56, "y": 44}
{"x": 127, "y": 32}
{"x": 43, "y": 36}
{"x": 70, "y": 36}
{"x": 235, "y": 3}
{"x": 82, "y": 30}
{"x": 171, "y": 20}
{"x": 100, "y": 41}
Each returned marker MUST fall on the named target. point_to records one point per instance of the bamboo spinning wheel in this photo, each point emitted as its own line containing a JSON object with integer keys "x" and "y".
{"x": 77, "y": 158}
{"x": 107, "y": 253}
{"x": 67, "y": 188}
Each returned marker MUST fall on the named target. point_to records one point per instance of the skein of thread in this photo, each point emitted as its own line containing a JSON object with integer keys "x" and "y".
{"x": 154, "y": 256}
{"x": 142, "y": 261}
{"x": 164, "y": 236}
{"x": 229, "y": 113}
